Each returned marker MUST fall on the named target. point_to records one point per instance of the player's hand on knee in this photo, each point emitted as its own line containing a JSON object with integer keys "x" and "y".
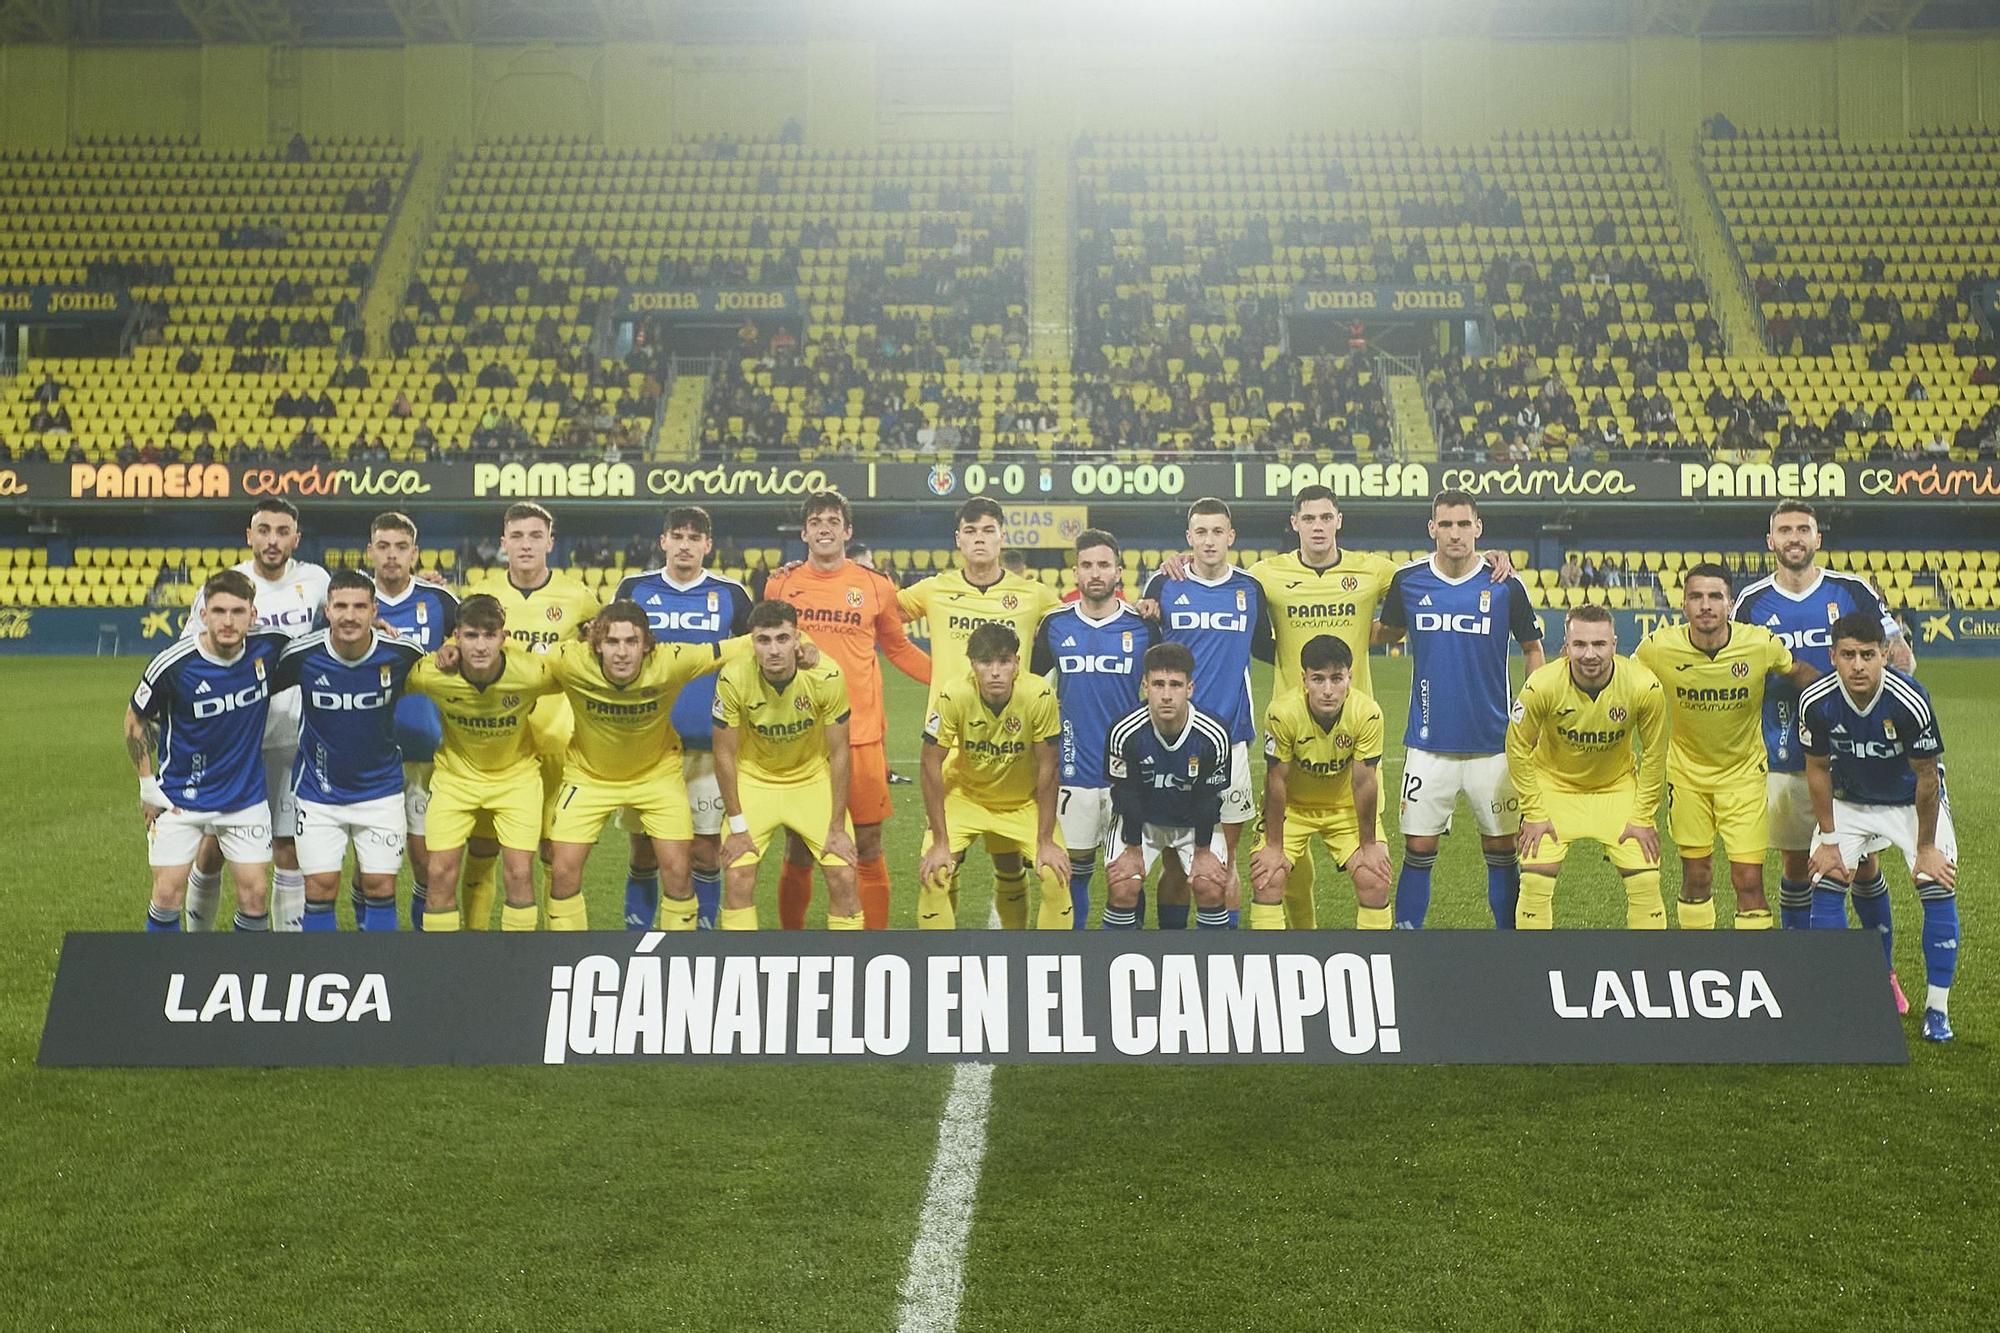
{"x": 935, "y": 869}
{"x": 1533, "y": 833}
{"x": 1827, "y": 863}
{"x": 1931, "y": 865}
{"x": 1646, "y": 836}
{"x": 1127, "y": 870}
{"x": 1206, "y": 873}
{"x": 1269, "y": 869}
{"x": 1371, "y": 863}
{"x": 1053, "y": 861}
{"x": 839, "y": 844}
{"x": 736, "y": 847}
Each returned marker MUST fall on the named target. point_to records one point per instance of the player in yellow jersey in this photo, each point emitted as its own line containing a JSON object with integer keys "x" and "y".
{"x": 1712, "y": 671}
{"x": 1323, "y": 747}
{"x": 485, "y": 688}
{"x": 979, "y": 591}
{"x": 544, "y": 607}
{"x": 625, "y": 755}
{"x": 782, "y": 761}
{"x": 1569, "y": 751}
{"x": 990, "y": 770}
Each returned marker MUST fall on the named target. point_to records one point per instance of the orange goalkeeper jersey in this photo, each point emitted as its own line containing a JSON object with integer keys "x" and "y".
{"x": 848, "y": 612}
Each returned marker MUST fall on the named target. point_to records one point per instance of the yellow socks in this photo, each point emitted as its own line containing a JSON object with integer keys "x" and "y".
{"x": 1754, "y": 920}
{"x": 1643, "y": 908}
{"x": 1267, "y": 916}
{"x": 1697, "y": 916}
{"x": 1057, "y": 911}
{"x": 677, "y": 913}
{"x": 1010, "y": 898}
{"x": 568, "y": 913}
{"x": 737, "y": 918}
{"x": 479, "y": 886}
{"x": 519, "y": 918}
{"x": 937, "y": 907}
{"x": 853, "y": 922}
{"x": 441, "y": 923}
{"x": 1300, "y": 913}
{"x": 1374, "y": 918}
{"x": 1536, "y": 908}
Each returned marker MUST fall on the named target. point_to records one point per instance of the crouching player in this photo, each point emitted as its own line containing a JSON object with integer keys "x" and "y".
{"x": 1872, "y": 766}
{"x": 782, "y": 761}
{"x": 1168, "y": 765}
{"x": 348, "y": 777}
{"x": 1323, "y": 744}
{"x": 989, "y": 770}
{"x": 625, "y": 754}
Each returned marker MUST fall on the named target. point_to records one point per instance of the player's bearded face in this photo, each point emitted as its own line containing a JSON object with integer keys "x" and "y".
{"x": 272, "y": 539}
{"x": 394, "y": 555}
{"x": 1794, "y": 539}
{"x": 1860, "y": 667}
{"x": 349, "y": 613}
{"x": 777, "y": 650}
{"x": 996, "y": 679}
{"x": 1456, "y": 530}
{"x": 1326, "y": 690}
{"x": 1167, "y": 695}
{"x": 227, "y": 620}
{"x": 1097, "y": 573}
{"x": 1590, "y": 649}
{"x": 686, "y": 550}
{"x": 1706, "y": 604}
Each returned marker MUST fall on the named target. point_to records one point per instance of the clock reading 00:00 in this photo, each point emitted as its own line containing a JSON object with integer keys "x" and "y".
{"x": 1109, "y": 479}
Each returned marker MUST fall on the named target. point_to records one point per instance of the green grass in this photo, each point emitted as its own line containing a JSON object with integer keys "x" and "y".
{"x": 1227, "y": 1197}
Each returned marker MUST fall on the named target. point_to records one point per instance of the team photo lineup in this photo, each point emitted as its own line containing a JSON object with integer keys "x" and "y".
{"x": 487, "y": 740}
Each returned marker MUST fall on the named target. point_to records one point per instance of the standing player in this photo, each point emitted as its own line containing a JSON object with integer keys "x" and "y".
{"x": 1168, "y": 768}
{"x": 200, "y": 706}
{"x": 1875, "y": 772}
{"x": 487, "y": 771}
{"x": 782, "y": 759}
{"x": 1569, "y": 749}
{"x": 980, "y": 590}
{"x": 290, "y": 593}
{"x": 989, "y": 770}
{"x": 1095, "y": 647}
{"x": 849, "y": 610}
{"x": 1459, "y": 623}
{"x": 348, "y": 781}
{"x": 425, "y": 614}
{"x": 1799, "y": 602}
{"x": 686, "y": 602}
{"x": 1324, "y": 746}
{"x": 1714, "y": 671}
{"x": 1218, "y": 611}
{"x": 625, "y": 754}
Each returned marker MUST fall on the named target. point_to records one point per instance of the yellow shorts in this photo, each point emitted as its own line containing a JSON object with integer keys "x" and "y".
{"x": 805, "y": 808}
{"x": 1004, "y": 830}
{"x": 1597, "y": 816}
{"x": 511, "y": 810}
{"x": 1339, "y": 829}
{"x": 549, "y": 775}
{"x": 1741, "y": 815}
{"x": 658, "y": 804}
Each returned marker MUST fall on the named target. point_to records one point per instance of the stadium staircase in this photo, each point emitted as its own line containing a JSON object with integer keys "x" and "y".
{"x": 1413, "y": 419}
{"x": 1729, "y": 294}
{"x": 402, "y": 249}
{"x": 1049, "y": 248}
{"x": 679, "y": 435}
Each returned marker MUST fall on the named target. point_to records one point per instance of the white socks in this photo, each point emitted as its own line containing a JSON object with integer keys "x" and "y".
{"x": 204, "y": 895}
{"x": 288, "y": 899}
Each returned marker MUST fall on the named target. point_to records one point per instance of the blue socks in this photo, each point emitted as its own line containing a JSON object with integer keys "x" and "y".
{"x": 379, "y": 914}
{"x": 707, "y": 898}
{"x": 1795, "y": 901}
{"x": 1829, "y": 905}
{"x": 419, "y": 899}
{"x": 1235, "y": 915}
{"x": 319, "y": 918}
{"x": 1119, "y": 918}
{"x": 1871, "y": 904}
{"x": 1173, "y": 916}
{"x": 642, "y": 898}
{"x": 1211, "y": 918}
{"x": 1413, "y": 890}
{"x": 160, "y": 921}
{"x": 1940, "y": 935}
{"x": 1081, "y": 866}
{"x": 1503, "y": 887}
{"x": 358, "y": 901}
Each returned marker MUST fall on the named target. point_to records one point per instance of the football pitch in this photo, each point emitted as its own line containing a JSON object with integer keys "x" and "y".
{"x": 1110, "y": 1198}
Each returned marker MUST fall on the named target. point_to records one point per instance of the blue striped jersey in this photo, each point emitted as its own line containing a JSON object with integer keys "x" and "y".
{"x": 1097, "y": 667}
{"x": 1221, "y": 623}
{"x": 1870, "y": 746}
{"x": 347, "y": 743}
{"x": 708, "y": 610}
{"x": 1175, "y": 783}
{"x": 1801, "y": 620}
{"x": 1459, "y": 631}
{"x": 211, "y": 717}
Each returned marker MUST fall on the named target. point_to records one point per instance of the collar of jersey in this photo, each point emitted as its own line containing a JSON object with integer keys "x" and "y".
{"x": 374, "y": 642}
{"x": 409, "y": 591}
{"x": 1175, "y": 744}
{"x": 1819, "y": 578}
{"x": 1227, "y": 575}
{"x": 550, "y": 577}
{"x": 213, "y": 660}
{"x": 1118, "y": 608}
{"x": 1462, "y": 580}
{"x": 1860, "y": 710}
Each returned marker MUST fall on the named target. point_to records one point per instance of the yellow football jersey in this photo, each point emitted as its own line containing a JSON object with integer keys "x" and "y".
{"x": 486, "y": 726}
{"x": 1322, "y": 756}
{"x": 955, "y": 607}
{"x": 781, "y": 732}
{"x": 538, "y": 619}
{"x": 1305, "y": 603}
{"x": 1717, "y": 702}
{"x": 624, "y": 732}
{"x": 1562, "y": 738}
{"x": 991, "y": 760}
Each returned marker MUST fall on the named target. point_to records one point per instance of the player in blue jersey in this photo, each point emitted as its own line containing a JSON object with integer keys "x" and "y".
{"x": 685, "y": 602}
{"x": 423, "y": 613}
{"x": 348, "y": 778}
{"x": 1095, "y": 646}
{"x": 200, "y": 707}
{"x": 1219, "y": 612}
{"x": 1459, "y": 622}
{"x": 1799, "y": 602}
{"x": 1873, "y": 767}
{"x": 1168, "y": 765}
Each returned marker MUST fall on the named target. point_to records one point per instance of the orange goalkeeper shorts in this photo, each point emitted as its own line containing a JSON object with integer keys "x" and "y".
{"x": 868, "y": 784}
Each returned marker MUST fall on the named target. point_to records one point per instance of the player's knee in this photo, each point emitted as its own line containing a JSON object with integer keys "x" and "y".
{"x": 1082, "y": 863}
{"x": 1418, "y": 846}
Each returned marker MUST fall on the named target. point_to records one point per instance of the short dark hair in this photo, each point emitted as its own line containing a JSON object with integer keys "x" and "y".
{"x": 688, "y": 516}
{"x": 1311, "y": 493}
{"x": 1326, "y": 650}
{"x": 1092, "y": 537}
{"x": 1589, "y": 613}
{"x": 1710, "y": 569}
{"x": 980, "y": 506}
{"x": 621, "y": 611}
{"x": 234, "y": 582}
{"x": 826, "y": 502}
{"x": 1452, "y": 496}
{"x": 1860, "y": 626}
{"x": 527, "y": 509}
{"x": 349, "y": 578}
{"x": 1796, "y": 507}
{"x": 482, "y": 610}
{"x": 1172, "y": 657}
{"x": 1208, "y": 504}
{"x": 392, "y": 521}
{"x": 992, "y": 641}
{"x": 273, "y": 505}
{"x": 771, "y": 613}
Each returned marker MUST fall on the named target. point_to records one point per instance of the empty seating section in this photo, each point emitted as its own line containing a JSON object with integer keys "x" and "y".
{"x": 227, "y": 252}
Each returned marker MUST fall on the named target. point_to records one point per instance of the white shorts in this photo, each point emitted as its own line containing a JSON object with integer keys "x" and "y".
{"x": 1792, "y": 821}
{"x": 245, "y": 836}
{"x": 1159, "y": 840}
{"x": 1239, "y": 803}
{"x": 1432, "y": 784}
{"x": 1085, "y": 816}
{"x": 416, "y": 797}
{"x": 375, "y": 827}
{"x": 283, "y": 804}
{"x": 1862, "y": 829}
{"x": 704, "y": 793}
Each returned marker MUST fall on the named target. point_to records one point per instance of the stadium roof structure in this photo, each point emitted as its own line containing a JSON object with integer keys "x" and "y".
{"x": 349, "y": 22}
